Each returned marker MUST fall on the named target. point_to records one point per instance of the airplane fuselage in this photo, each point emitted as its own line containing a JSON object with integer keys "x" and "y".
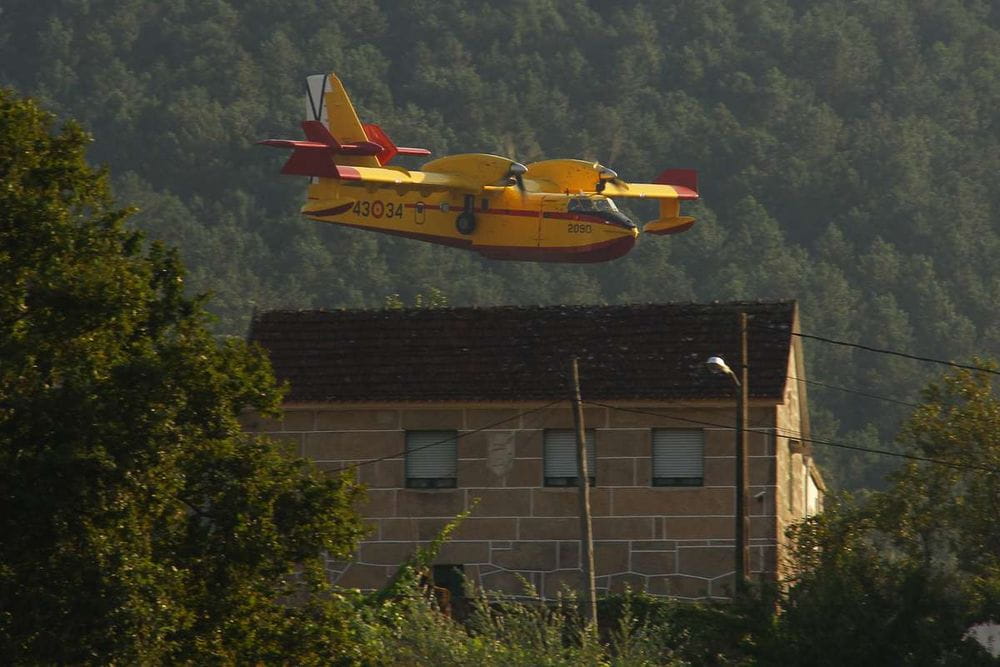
{"x": 506, "y": 223}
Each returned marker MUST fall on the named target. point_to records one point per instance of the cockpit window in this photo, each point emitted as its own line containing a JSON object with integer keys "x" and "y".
{"x": 588, "y": 205}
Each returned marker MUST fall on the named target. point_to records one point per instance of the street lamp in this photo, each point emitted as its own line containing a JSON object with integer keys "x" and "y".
{"x": 719, "y": 365}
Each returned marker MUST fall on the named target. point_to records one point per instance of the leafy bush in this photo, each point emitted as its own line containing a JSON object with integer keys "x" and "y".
{"x": 502, "y": 630}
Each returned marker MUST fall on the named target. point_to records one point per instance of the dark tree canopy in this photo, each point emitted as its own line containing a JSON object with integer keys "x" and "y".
{"x": 138, "y": 524}
{"x": 899, "y": 576}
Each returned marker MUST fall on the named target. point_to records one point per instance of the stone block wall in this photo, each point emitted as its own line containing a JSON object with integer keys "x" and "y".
{"x": 674, "y": 541}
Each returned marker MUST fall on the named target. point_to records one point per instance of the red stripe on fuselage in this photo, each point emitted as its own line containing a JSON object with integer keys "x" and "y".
{"x": 525, "y": 213}
{"x": 581, "y": 217}
{"x": 489, "y": 211}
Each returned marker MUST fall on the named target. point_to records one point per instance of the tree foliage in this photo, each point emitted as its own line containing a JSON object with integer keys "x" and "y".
{"x": 138, "y": 525}
{"x": 948, "y": 513}
{"x": 899, "y": 576}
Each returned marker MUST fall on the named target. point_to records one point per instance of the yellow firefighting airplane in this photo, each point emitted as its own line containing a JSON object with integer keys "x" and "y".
{"x": 549, "y": 211}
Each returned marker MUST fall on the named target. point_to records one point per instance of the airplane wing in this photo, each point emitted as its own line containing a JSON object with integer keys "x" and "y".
{"x": 403, "y": 178}
{"x": 671, "y": 184}
{"x": 469, "y": 173}
{"x": 585, "y": 177}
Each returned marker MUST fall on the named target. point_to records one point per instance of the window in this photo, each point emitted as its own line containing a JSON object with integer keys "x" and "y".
{"x": 580, "y": 205}
{"x": 813, "y": 498}
{"x": 678, "y": 457}
{"x": 794, "y": 466}
{"x": 588, "y": 205}
{"x": 431, "y": 459}
{"x": 560, "y": 457}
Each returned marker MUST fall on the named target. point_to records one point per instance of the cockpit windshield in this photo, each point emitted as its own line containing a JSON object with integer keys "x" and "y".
{"x": 588, "y": 205}
{"x": 599, "y": 207}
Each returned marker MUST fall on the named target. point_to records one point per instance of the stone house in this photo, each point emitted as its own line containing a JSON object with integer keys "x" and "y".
{"x": 440, "y": 410}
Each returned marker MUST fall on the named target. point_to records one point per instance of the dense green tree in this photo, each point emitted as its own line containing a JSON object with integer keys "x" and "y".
{"x": 137, "y": 524}
{"x": 948, "y": 511}
{"x": 899, "y": 576}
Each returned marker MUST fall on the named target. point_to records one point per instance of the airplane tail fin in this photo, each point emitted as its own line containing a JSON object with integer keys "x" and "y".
{"x": 335, "y": 135}
{"x": 328, "y": 103}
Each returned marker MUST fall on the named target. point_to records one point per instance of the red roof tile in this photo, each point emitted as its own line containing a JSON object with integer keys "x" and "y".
{"x": 655, "y": 351}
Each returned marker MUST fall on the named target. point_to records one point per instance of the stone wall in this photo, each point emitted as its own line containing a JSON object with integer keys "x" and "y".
{"x": 667, "y": 540}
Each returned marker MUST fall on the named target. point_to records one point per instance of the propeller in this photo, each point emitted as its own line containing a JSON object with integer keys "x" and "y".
{"x": 516, "y": 174}
{"x": 604, "y": 175}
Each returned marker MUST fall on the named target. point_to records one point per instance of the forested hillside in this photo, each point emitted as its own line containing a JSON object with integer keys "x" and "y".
{"x": 848, "y": 154}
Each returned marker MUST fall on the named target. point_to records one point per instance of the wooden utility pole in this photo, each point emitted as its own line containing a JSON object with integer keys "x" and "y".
{"x": 742, "y": 476}
{"x": 583, "y": 478}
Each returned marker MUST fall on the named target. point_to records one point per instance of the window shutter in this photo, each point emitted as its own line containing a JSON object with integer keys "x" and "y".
{"x": 560, "y": 456}
{"x": 431, "y": 455}
{"x": 678, "y": 457}
{"x": 812, "y": 495}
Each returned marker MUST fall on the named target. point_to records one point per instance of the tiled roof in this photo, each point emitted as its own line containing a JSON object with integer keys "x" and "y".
{"x": 655, "y": 351}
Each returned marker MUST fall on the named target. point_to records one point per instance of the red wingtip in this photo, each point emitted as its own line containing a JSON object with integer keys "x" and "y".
{"x": 685, "y": 181}
{"x": 378, "y": 136}
{"x": 403, "y": 150}
{"x": 389, "y": 149}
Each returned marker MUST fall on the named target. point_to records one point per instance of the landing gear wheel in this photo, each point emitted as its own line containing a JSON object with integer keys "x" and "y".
{"x": 466, "y": 223}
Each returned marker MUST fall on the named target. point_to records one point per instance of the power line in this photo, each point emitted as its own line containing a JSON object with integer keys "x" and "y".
{"x": 854, "y": 391}
{"x": 885, "y": 452}
{"x": 879, "y": 350}
{"x": 465, "y": 396}
{"x": 818, "y": 441}
{"x": 458, "y": 436}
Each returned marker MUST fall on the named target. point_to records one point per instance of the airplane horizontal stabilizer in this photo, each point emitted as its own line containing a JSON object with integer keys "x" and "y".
{"x": 317, "y": 132}
{"x": 310, "y": 163}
